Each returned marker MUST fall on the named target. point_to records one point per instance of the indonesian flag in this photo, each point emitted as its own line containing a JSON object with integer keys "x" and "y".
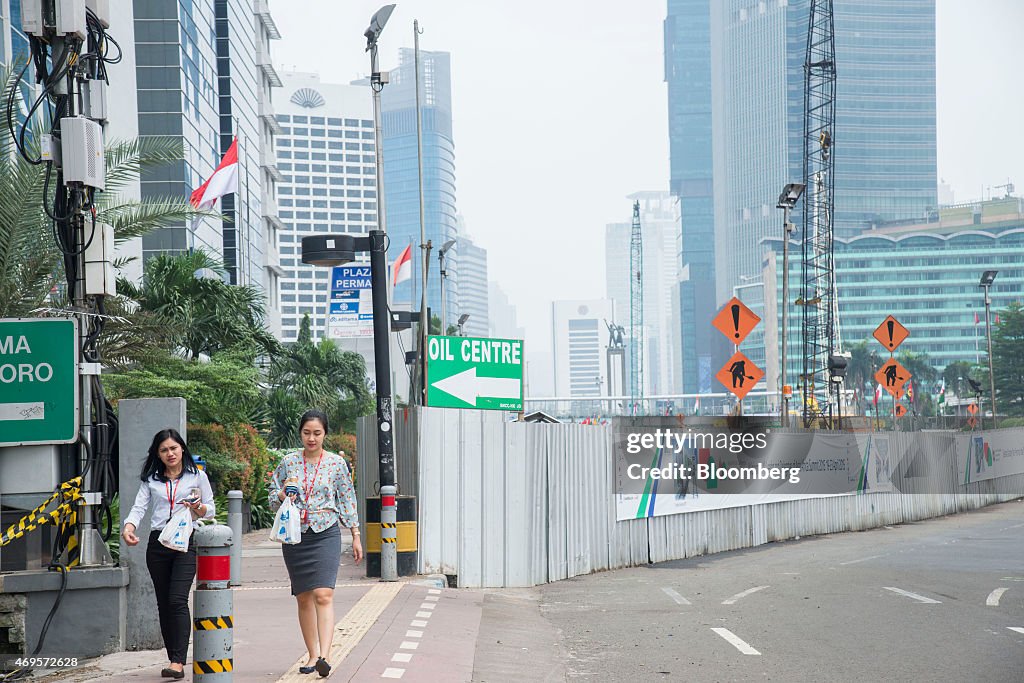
{"x": 878, "y": 394}
{"x": 223, "y": 181}
{"x": 976, "y": 318}
{"x": 402, "y": 268}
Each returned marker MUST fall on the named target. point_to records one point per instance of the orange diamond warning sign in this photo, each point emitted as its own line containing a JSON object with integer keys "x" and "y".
{"x": 735, "y": 320}
{"x": 901, "y": 410}
{"x": 891, "y": 333}
{"x": 892, "y": 376}
{"x": 739, "y": 375}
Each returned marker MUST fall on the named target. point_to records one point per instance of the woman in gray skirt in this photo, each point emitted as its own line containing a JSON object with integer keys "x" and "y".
{"x": 320, "y": 485}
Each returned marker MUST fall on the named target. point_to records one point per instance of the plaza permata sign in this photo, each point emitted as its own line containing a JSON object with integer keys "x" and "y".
{"x": 38, "y": 381}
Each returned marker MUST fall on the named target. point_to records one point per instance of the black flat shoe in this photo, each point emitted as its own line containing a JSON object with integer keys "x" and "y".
{"x": 323, "y": 668}
{"x": 171, "y": 673}
{"x": 307, "y": 669}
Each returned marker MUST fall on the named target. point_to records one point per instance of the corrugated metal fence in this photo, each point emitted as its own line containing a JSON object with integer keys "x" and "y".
{"x": 505, "y": 504}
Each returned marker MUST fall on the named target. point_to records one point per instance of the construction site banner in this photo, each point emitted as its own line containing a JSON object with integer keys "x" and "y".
{"x": 665, "y": 467}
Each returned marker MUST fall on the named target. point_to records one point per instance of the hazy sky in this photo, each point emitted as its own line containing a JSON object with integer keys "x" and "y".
{"x": 559, "y": 112}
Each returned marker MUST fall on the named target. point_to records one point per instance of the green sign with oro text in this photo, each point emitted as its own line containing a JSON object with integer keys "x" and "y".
{"x": 38, "y": 381}
{"x": 475, "y": 372}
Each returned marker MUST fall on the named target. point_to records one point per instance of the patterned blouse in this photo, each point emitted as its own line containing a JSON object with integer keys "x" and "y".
{"x": 331, "y": 496}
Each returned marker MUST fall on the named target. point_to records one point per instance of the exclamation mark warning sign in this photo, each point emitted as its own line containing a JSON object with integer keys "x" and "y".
{"x": 891, "y": 333}
{"x": 735, "y": 321}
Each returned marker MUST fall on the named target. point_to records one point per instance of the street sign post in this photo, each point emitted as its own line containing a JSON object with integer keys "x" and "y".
{"x": 893, "y": 376}
{"x": 739, "y": 375}
{"x": 475, "y": 372}
{"x": 735, "y": 321}
{"x": 38, "y": 381}
{"x": 351, "y": 306}
{"x": 891, "y": 333}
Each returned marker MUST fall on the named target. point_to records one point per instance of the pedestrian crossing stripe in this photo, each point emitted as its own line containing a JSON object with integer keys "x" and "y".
{"x": 214, "y": 623}
{"x": 212, "y": 666}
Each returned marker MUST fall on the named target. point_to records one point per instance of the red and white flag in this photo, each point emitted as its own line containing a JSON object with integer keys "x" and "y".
{"x": 878, "y": 394}
{"x": 976, "y": 319}
{"x": 223, "y": 181}
{"x": 402, "y": 268}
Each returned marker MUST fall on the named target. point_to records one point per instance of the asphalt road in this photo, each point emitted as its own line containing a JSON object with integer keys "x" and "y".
{"x": 940, "y": 600}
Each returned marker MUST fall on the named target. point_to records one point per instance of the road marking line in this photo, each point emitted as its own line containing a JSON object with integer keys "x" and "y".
{"x": 744, "y": 594}
{"x": 736, "y": 641}
{"x": 428, "y": 605}
{"x": 1012, "y": 578}
{"x": 434, "y": 591}
{"x": 1015, "y": 526}
{"x": 404, "y": 657}
{"x": 419, "y": 623}
{"x": 413, "y": 634}
{"x": 1018, "y": 629}
{"x": 993, "y": 597}
{"x": 432, "y": 598}
{"x": 863, "y": 559}
{"x": 675, "y": 596}
{"x": 284, "y": 588}
{"x": 392, "y": 672}
{"x": 915, "y": 596}
{"x": 423, "y": 615}
{"x": 352, "y": 627}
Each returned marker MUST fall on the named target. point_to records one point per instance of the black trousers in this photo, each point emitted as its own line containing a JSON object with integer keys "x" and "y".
{"x": 172, "y": 573}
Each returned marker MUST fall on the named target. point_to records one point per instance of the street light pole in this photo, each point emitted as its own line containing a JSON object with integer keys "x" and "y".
{"x": 987, "y": 278}
{"x": 381, "y": 321}
{"x": 787, "y": 200}
{"x": 424, "y": 323}
{"x": 442, "y": 254}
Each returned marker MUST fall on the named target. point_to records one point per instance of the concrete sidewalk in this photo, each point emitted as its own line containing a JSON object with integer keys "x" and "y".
{"x": 415, "y": 630}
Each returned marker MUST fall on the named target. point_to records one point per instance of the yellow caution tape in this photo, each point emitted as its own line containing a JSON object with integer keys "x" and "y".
{"x": 64, "y": 516}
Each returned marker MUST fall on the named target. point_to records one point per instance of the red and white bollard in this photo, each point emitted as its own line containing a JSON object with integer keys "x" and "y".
{"x": 213, "y": 612}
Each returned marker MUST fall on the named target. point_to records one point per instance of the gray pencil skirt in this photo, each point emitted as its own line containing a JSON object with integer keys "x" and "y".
{"x": 314, "y": 561}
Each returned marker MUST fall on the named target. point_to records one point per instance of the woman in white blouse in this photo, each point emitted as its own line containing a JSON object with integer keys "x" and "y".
{"x": 170, "y": 480}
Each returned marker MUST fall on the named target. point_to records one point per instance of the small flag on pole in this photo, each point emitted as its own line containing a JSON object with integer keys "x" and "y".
{"x": 224, "y": 180}
{"x": 402, "y": 268}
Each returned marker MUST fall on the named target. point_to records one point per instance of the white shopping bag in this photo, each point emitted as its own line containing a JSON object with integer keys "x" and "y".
{"x": 178, "y": 530}
{"x": 287, "y": 525}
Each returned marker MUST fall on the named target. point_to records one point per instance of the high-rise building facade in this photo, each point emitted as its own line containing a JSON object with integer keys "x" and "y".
{"x": 401, "y": 178}
{"x": 688, "y": 75}
{"x": 884, "y": 142}
{"x": 179, "y": 88}
{"x": 659, "y": 222}
{"x": 326, "y": 157}
{"x": 473, "y": 295}
{"x": 735, "y": 77}
{"x": 502, "y": 322}
{"x": 580, "y": 341}
{"x": 925, "y": 273}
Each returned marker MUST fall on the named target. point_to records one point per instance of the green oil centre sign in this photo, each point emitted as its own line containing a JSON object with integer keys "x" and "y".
{"x": 38, "y": 381}
{"x": 475, "y": 372}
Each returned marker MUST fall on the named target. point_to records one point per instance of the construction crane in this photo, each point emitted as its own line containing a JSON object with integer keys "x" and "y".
{"x": 636, "y": 312}
{"x": 819, "y": 320}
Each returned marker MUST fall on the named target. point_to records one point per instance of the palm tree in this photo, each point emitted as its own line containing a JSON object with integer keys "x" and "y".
{"x": 319, "y": 375}
{"x": 31, "y": 272}
{"x": 207, "y": 314}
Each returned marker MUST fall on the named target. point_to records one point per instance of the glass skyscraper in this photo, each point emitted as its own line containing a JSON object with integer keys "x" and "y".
{"x": 180, "y": 86}
{"x": 735, "y": 73}
{"x": 401, "y": 187}
{"x": 688, "y": 74}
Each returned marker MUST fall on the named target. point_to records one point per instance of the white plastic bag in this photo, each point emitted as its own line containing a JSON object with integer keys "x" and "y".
{"x": 287, "y": 525}
{"x": 178, "y": 530}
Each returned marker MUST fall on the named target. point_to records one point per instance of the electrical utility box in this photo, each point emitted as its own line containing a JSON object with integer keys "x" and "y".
{"x": 81, "y": 146}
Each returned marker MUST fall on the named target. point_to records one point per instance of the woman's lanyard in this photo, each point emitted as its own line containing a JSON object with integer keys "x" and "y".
{"x": 309, "y": 484}
{"x": 171, "y": 495}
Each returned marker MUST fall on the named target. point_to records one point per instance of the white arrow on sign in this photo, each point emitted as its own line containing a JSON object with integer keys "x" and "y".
{"x": 466, "y": 386}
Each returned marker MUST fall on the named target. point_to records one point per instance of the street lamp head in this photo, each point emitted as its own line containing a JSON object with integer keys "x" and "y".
{"x": 463, "y": 318}
{"x": 790, "y": 194}
{"x": 988, "y": 277}
{"x": 445, "y": 247}
{"x": 975, "y": 385}
{"x": 377, "y": 23}
{"x": 328, "y": 250}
